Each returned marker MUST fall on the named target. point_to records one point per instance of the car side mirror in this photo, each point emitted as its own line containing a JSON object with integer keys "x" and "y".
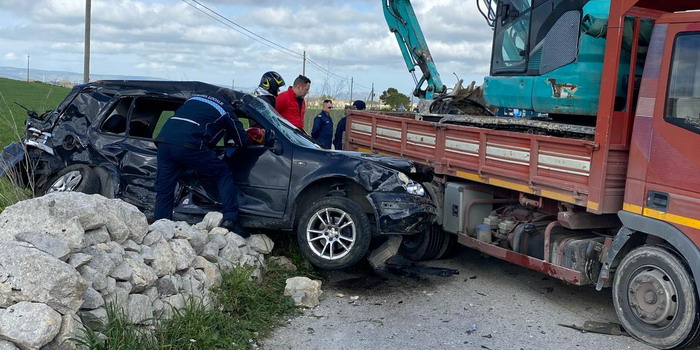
{"x": 276, "y": 147}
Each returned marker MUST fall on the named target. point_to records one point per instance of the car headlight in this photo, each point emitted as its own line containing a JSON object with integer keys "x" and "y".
{"x": 411, "y": 186}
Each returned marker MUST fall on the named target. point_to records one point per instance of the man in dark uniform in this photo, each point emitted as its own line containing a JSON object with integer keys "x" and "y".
{"x": 322, "y": 130}
{"x": 339, "y": 139}
{"x": 185, "y": 143}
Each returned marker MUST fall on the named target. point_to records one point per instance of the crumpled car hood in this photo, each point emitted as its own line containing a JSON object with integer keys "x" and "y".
{"x": 416, "y": 171}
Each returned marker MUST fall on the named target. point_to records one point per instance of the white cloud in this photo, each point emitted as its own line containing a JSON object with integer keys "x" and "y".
{"x": 11, "y": 56}
{"x": 171, "y": 39}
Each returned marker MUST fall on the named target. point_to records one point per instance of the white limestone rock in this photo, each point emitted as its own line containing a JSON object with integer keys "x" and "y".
{"x": 28, "y": 274}
{"x": 53, "y": 245}
{"x": 305, "y": 291}
{"x": 183, "y": 253}
{"x": 260, "y": 243}
{"x": 29, "y": 325}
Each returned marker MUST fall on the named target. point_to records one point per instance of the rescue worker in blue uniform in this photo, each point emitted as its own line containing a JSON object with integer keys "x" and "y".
{"x": 322, "y": 130}
{"x": 339, "y": 139}
{"x": 185, "y": 143}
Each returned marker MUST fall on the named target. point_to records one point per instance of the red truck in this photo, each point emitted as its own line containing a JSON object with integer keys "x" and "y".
{"x": 615, "y": 204}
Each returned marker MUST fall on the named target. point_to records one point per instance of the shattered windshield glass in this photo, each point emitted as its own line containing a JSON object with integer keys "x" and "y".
{"x": 298, "y": 137}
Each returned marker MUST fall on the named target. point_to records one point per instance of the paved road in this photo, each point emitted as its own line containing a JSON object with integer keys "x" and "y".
{"x": 508, "y": 306}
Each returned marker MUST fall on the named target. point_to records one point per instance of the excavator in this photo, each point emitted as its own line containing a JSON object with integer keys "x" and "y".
{"x": 539, "y": 61}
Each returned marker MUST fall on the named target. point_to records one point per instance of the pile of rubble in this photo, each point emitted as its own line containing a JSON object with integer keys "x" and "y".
{"x": 66, "y": 255}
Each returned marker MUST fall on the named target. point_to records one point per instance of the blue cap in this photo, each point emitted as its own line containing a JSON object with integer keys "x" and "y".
{"x": 359, "y": 104}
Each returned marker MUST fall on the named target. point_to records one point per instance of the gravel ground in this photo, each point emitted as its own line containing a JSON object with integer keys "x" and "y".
{"x": 490, "y": 304}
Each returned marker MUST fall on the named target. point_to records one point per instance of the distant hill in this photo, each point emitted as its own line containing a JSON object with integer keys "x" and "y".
{"x": 62, "y": 77}
{"x": 51, "y": 76}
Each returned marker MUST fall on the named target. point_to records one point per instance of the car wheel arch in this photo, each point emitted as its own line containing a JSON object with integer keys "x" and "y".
{"x": 330, "y": 186}
{"x": 109, "y": 179}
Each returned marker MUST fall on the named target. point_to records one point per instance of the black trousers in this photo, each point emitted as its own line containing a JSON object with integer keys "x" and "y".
{"x": 174, "y": 159}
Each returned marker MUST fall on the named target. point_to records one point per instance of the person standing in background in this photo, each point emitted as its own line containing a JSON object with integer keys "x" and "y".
{"x": 339, "y": 139}
{"x": 291, "y": 105}
{"x": 322, "y": 130}
{"x": 270, "y": 84}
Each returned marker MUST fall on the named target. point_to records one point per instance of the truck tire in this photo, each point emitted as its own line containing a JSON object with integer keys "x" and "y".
{"x": 74, "y": 178}
{"x": 429, "y": 245}
{"x": 334, "y": 233}
{"x": 655, "y": 298}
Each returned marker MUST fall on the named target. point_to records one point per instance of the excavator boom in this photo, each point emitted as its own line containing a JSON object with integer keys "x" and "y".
{"x": 403, "y": 23}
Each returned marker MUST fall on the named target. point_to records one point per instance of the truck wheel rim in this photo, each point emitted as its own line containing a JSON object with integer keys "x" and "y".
{"x": 653, "y": 297}
{"x": 66, "y": 183}
{"x": 331, "y": 233}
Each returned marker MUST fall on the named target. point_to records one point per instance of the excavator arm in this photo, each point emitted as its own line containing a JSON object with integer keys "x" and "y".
{"x": 403, "y": 23}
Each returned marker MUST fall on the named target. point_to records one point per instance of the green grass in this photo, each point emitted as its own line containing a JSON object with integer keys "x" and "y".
{"x": 33, "y": 95}
{"x": 36, "y": 96}
{"x": 244, "y": 313}
{"x": 311, "y": 113}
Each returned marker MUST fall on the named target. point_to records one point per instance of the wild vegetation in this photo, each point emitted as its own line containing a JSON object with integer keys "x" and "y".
{"x": 245, "y": 312}
{"x": 35, "y": 96}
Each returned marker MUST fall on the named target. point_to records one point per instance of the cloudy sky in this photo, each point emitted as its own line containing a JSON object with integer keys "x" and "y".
{"x": 174, "y": 40}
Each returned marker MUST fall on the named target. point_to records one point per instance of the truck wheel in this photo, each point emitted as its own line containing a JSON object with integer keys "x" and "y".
{"x": 655, "y": 298}
{"x": 428, "y": 245}
{"x": 75, "y": 178}
{"x": 334, "y": 233}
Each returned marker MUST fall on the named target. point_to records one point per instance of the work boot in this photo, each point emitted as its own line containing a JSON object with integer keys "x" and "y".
{"x": 235, "y": 227}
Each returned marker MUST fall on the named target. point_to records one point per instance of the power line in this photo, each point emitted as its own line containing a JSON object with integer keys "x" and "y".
{"x": 287, "y": 52}
{"x": 325, "y": 70}
{"x": 260, "y": 39}
{"x": 246, "y": 29}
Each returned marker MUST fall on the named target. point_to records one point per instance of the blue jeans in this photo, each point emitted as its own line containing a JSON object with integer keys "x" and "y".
{"x": 174, "y": 159}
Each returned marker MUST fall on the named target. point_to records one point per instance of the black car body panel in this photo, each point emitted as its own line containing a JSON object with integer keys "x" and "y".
{"x": 111, "y": 125}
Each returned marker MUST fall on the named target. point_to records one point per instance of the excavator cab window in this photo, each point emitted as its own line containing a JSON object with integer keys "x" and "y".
{"x": 510, "y": 47}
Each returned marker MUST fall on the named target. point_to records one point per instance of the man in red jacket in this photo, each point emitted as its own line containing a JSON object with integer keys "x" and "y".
{"x": 291, "y": 105}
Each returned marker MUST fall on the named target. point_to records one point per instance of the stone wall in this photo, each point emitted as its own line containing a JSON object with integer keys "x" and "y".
{"x": 66, "y": 256}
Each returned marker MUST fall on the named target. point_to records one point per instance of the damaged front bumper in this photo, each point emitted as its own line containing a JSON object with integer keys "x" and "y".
{"x": 403, "y": 214}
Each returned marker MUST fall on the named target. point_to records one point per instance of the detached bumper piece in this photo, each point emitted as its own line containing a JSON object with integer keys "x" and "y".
{"x": 11, "y": 155}
{"x": 402, "y": 214}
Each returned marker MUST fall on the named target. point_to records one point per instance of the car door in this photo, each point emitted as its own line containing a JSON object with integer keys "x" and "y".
{"x": 129, "y": 132}
{"x": 261, "y": 175}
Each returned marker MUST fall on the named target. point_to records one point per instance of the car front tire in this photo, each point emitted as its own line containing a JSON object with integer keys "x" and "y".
{"x": 334, "y": 233}
{"x": 74, "y": 178}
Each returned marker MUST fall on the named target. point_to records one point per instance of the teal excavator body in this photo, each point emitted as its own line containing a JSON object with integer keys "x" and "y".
{"x": 542, "y": 59}
{"x": 547, "y": 55}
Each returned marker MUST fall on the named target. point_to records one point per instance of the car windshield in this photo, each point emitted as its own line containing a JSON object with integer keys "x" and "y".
{"x": 291, "y": 132}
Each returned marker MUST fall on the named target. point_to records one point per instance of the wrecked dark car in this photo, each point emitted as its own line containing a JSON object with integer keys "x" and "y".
{"x": 100, "y": 140}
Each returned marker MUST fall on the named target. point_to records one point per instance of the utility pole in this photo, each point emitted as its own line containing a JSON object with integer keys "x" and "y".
{"x": 351, "y": 84}
{"x": 233, "y": 80}
{"x": 303, "y": 66}
{"x": 27, "y": 68}
{"x": 371, "y": 95}
{"x": 86, "y": 63}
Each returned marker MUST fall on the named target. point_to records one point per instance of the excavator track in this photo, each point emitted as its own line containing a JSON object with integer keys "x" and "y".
{"x": 530, "y": 126}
